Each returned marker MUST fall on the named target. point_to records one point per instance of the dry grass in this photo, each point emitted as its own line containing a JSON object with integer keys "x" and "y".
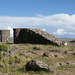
{"x": 18, "y": 68}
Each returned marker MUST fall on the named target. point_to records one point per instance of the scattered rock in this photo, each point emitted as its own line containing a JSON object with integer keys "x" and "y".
{"x": 69, "y": 51}
{"x": 15, "y": 47}
{"x": 12, "y": 53}
{"x": 34, "y": 52}
{"x": 8, "y": 54}
{"x": 37, "y": 65}
{"x": 72, "y": 63}
{"x": 63, "y": 63}
{"x": 4, "y": 54}
{"x": 48, "y": 54}
{"x": 22, "y": 53}
{"x": 55, "y": 64}
{"x": 37, "y": 48}
{"x": 58, "y": 55}
{"x": 26, "y": 54}
{"x": 73, "y": 53}
{"x": 54, "y": 50}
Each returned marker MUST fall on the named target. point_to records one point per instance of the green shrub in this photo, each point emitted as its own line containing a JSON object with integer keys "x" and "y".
{"x": 3, "y": 47}
{"x": 0, "y": 54}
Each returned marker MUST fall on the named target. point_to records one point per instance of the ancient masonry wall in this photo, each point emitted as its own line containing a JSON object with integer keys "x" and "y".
{"x": 4, "y": 35}
{"x": 35, "y": 36}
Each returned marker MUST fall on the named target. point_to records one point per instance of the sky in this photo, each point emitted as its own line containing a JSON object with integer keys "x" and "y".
{"x": 56, "y": 17}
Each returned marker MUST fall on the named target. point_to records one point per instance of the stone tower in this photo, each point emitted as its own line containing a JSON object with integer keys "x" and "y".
{"x": 4, "y": 35}
{"x": 35, "y": 36}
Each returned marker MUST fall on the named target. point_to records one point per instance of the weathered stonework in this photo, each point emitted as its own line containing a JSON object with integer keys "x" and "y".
{"x": 35, "y": 36}
{"x": 4, "y": 35}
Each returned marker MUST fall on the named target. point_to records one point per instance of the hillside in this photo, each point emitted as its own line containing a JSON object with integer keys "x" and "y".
{"x": 60, "y": 59}
{"x": 70, "y": 40}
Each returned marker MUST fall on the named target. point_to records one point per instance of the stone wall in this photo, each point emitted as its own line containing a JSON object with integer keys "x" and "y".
{"x": 4, "y": 35}
{"x": 35, "y": 36}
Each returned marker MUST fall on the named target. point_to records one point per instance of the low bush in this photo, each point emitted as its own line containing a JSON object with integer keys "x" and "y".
{"x": 0, "y": 55}
{"x": 3, "y": 47}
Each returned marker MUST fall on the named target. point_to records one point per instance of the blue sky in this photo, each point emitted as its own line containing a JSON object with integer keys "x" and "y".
{"x": 56, "y": 17}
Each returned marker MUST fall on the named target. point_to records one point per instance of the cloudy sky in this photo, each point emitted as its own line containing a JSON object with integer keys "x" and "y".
{"x": 56, "y": 17}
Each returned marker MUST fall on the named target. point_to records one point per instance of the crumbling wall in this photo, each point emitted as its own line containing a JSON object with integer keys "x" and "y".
{"x": 35, "y": 36}
{"x": 4, "y": 35}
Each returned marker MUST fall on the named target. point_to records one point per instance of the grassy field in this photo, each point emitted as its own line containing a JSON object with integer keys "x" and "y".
{"x": 15, "y": 65}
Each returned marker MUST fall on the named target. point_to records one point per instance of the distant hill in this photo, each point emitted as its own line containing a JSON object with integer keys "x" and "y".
{"x": 70, "y": 40}
{"x": 73, "y": 41}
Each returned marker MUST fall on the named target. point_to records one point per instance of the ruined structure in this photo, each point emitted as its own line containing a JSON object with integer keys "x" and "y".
{"x": 4, "y": 35}
{"x": 35, "y": 36}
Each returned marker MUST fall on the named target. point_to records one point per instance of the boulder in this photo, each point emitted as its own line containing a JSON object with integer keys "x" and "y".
{"x": 22, "y": 53}
{"x": 12, "y": 53}
{"x": 69, "y": 51}
{"x": 37, "y": 48}
{"x": 58, "y": 55}
{"x": 73, "y": 53}
{"x": 63, "y": 64}
{"x": 27, "y": 54}
{"x": 60, "y": 64}
{"x": 34, "y": 52}
{"x": 37, "y": 65}
{"x": 48, "y": 54}
{"x": 55, "y": 50}
{"x": 5, "y": 54}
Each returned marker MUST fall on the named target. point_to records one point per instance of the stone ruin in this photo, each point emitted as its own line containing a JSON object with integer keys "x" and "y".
{"x": 35, "y": 36}
{"x": 4, "y": 36}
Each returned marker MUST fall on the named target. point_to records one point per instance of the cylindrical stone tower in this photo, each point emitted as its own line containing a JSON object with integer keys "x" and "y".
{"x": 16, "y": 34}
{"x": 4, "y": 36}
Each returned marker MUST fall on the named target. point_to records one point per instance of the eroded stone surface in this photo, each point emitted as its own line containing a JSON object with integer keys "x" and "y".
{"x": 63, "y": 64}
{"x": 49, "y": 55}
{"x": 37, "y": 65}
{"x": 69, "y": 51}
{"x": 35, "y": 36}
{"x": 4, "y": 36}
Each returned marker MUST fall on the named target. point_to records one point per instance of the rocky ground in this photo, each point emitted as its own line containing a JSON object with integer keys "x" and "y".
{"x": 35, "y": 59}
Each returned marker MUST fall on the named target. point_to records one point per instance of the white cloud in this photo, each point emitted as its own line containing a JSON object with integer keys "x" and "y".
{"x": 11, "y": 30}
{"x": 56, "y": 21}
{"x": 62, "y": 32}
{"x": 53, "y": 20}
{"x": 44, "y": 29}
{"x": 59, "y": 32}
{"x": 39, "y": 15}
